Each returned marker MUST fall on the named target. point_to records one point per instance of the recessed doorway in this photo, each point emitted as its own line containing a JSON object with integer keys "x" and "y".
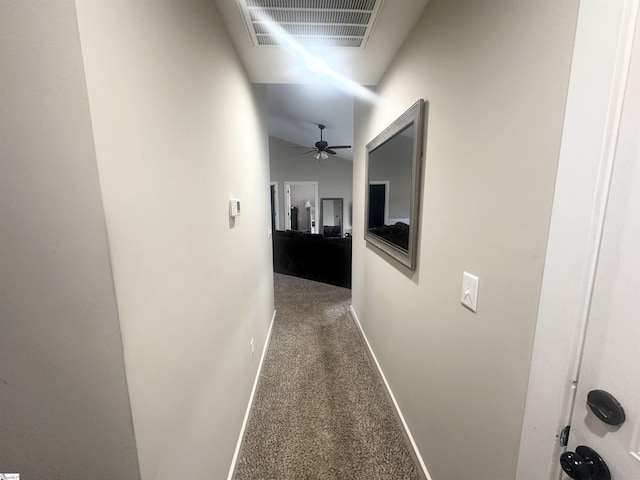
{"x": 301, "y": 201}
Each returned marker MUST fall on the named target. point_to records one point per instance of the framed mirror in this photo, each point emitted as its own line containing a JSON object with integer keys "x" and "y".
{"x": 331, "y": 212}
{"x": 392, "y": 171}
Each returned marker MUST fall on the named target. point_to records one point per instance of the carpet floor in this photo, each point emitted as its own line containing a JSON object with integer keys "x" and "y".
{"x": 320, "y": 410}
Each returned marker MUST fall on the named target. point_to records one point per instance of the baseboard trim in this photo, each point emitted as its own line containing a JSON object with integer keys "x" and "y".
{"x": 234, "y": 459}
{"x": 391, "y": 396}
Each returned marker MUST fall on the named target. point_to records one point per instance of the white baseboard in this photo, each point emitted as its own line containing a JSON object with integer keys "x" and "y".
{"x": 393, "y": 398}
{"x": 251, "y": 398}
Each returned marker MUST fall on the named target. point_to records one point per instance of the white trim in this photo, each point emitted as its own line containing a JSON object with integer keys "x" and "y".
{"x": 234, "y": 459}
{"x": 393, "y": 398}
{"x": 598, "y": 76}
{"x": 276, "y": 202}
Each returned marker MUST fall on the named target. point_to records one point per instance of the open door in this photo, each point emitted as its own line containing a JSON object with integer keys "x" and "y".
{"x": 604, "y": 435}
{"x": 301, "y": 205}
{"x": 587, "y": 336}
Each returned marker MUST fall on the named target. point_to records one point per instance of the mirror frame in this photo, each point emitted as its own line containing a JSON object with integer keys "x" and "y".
{"x": 414, "y": 116}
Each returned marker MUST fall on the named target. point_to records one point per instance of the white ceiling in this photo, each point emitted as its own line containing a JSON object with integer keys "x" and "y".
{"x": 296, "y": 110}
{"x": 299, "y": 99}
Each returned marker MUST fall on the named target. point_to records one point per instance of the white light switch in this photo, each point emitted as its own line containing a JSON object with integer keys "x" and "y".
{"x": 470, "y": 291}
{"x": 234, "y": 207}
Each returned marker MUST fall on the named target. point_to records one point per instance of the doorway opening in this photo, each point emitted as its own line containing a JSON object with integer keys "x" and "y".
{"x": 378, "y": 203}
{"x": 275, "y": 207}
{"x": 301, "y": 201}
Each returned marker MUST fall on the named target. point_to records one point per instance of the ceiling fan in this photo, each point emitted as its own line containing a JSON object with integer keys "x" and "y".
{"x": 323, "y": 149}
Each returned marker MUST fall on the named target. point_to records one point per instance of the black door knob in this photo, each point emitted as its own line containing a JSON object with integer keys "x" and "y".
{"x": 575, "y": 466}
{"x": 584, "y": 464}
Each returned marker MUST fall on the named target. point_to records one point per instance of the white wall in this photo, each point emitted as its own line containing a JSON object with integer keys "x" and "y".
{"x": 178, "y": 131}
{"x": 64, "y": 406}
{"x": 334, "y": 176}
{"x": 495, "y": 74}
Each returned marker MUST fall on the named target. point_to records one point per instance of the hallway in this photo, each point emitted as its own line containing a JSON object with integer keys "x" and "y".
{"x": 133, "y": 304}
{"x": 320, "y": 409}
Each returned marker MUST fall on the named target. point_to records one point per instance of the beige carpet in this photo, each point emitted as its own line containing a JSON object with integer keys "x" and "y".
{"x": 320, "y": 410}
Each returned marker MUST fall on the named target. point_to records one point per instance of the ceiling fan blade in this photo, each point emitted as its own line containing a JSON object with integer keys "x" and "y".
{"x": 339, "y": 146}
{"x": 300, "y": 147}
{"x": 314, "y": 150}
{"x": 328, "y": 150}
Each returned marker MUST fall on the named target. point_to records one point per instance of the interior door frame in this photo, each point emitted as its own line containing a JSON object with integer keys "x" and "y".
{"x": 276, "y": 201}
{"x": 287, "y": 198}
{"x": 597, "y": 85}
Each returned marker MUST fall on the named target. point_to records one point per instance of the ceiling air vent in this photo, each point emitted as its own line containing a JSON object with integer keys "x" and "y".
{"x": 312, "y": 23}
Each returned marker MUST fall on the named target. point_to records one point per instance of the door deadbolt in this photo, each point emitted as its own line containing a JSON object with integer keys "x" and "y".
{"x": 606, "y": 407}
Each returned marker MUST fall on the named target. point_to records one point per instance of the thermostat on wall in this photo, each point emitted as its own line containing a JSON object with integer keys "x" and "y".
{"x": 234, "y": 207}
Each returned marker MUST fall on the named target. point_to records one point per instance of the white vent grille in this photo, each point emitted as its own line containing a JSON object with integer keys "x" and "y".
{"x": 313, "y": 41}
{"x": 312, "y": 23}
{"x": 316, "y": 30}
{"x": 316, "y": 4}
{"x": 310, "y": 17}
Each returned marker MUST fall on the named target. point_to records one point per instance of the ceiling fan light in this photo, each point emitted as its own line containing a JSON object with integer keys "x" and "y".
{"x": 316, "y": 155}
{"x": 324, "y": 155}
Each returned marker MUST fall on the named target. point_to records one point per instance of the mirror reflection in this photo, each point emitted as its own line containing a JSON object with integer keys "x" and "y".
{"x": 331, "y": 212}
{"x": 390, "y": 167}
{"x": 393, "y": 166}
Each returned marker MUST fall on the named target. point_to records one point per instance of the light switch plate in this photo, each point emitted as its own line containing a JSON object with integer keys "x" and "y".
{"x": 234, "y": 207}
{"x": 470, "y": 291}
